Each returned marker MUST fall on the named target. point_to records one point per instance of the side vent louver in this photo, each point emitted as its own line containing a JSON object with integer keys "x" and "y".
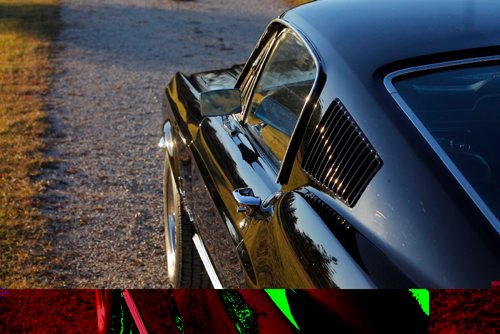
{"x": 339, "y": 156}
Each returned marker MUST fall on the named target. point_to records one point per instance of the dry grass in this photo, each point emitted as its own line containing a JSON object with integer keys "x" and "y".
{"x": 27, "y": 29}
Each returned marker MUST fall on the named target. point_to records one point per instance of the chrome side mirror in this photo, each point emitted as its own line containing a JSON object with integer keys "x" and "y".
{"x": 220, "y": 102}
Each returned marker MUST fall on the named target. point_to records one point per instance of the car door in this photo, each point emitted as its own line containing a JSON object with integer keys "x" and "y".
{"x": 243, "y": 154}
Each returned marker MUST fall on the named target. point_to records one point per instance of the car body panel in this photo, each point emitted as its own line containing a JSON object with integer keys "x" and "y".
{"x": 232, "y": 160}
{"x": 399, "y": 214}
{"x": 361, "y": 38}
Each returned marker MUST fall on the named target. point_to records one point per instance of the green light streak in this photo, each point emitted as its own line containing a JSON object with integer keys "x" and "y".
{"x": 122, "y": 319}
{"x": 179, "y": 324}
{"x": 240, "y": 313}
{"x": 422, "y": 296}
{"x": 278, "y": 296}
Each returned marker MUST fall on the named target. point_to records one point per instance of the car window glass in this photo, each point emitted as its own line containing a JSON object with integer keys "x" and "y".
{"x": 280, "y": 93}
{"x": 460, "y": 109}
{"x": 251, "y": 77}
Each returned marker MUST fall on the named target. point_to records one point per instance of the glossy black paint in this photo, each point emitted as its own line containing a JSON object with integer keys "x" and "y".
{"x": 414, "y": 225}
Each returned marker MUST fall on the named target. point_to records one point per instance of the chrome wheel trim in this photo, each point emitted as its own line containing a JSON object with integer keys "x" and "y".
{"x": 170, "y": 228}
{"x": 171, "y": 234}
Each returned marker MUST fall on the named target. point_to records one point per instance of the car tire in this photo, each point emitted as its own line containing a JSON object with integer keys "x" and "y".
{"x": 184, "y": 265}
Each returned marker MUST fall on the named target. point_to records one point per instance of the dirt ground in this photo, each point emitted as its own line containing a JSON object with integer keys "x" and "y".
{"x": 104, "y": 197}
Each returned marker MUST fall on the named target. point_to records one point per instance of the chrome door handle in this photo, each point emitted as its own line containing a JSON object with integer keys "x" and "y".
{"x": 251, "y": 204}
{"x": 246, "y": 199}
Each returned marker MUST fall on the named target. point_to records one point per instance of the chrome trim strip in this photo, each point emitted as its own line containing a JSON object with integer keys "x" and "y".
{"x": 319, "y": 69}
{"x": 166, "y": 141}
{"x": 206, "y": 262}
{"x": 494, "y": 221}
{"x": 161, "y": 143}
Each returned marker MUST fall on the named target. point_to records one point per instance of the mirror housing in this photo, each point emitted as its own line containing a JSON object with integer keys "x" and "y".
{"x": 220, "y": 102}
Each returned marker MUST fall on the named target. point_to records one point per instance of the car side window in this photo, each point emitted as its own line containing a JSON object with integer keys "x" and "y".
{"x": 280, "y": 94}
{"x": 251, "y": 77}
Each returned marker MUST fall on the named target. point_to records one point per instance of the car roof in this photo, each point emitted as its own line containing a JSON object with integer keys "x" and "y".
{"x": 368, "y": 35}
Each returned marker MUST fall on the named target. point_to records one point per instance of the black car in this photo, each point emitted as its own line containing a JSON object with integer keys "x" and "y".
{"x": 359, "y": 147}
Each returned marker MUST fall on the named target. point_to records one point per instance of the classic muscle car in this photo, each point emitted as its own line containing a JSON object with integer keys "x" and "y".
{"x": 358, "y": 147}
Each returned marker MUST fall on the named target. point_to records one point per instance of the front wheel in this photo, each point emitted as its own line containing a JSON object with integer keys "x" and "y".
{"x": 185, "y": 268}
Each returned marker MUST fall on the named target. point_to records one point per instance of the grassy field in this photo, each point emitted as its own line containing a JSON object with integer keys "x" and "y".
{"x": 27, "y": 29}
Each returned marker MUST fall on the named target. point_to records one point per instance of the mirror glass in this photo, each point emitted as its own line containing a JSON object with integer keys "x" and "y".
{"x": 220, "y": 102}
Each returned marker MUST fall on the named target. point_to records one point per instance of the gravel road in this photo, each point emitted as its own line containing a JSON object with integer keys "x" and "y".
{"x": 103, "y": 198}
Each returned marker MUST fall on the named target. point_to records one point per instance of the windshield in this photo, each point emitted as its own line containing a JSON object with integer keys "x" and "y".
{"x": 460, "y": 107}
